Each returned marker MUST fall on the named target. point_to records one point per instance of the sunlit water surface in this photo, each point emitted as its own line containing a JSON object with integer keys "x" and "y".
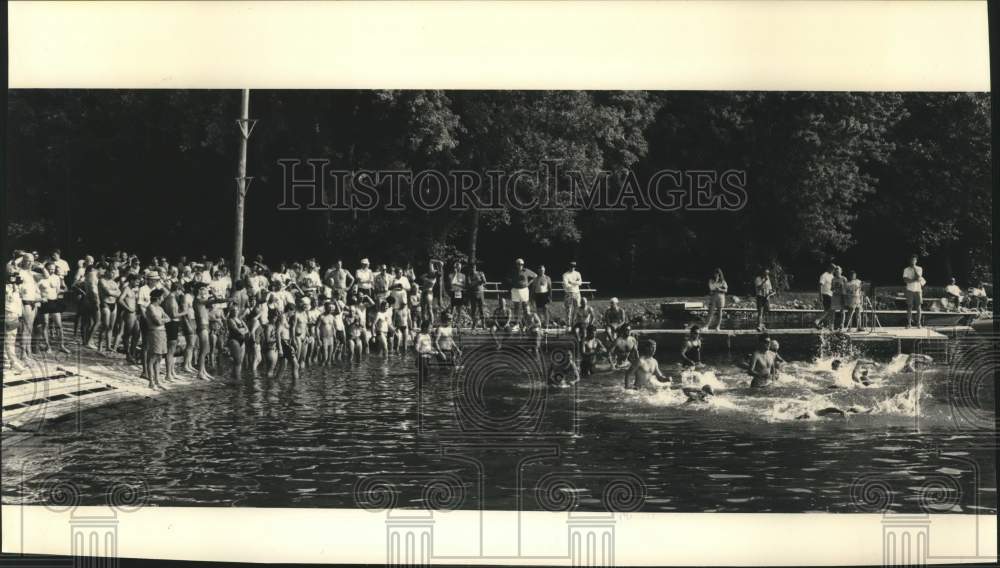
{"x": 313, "y": 442}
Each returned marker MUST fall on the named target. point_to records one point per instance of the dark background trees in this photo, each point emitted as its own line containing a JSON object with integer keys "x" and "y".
{"x": 863, "y": 178}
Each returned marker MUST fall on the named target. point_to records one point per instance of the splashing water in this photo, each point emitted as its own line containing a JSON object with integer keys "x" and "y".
{"x": 698, "y": 379}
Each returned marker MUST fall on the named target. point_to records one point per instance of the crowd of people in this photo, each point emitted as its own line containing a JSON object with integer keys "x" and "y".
{"x": 270, "y": 319}
{"x": 842, "y": 293}
{"x": 191, "y": 315}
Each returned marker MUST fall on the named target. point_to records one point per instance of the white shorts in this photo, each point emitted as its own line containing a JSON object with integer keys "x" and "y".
{"x": 519, "y": 295}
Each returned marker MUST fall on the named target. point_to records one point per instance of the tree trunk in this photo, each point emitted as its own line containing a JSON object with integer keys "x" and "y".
{"x": 473, "y": 235}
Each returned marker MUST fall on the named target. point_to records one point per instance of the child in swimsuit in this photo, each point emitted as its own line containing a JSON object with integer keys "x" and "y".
{"x": 692, "y": 344}
{"x": 444, "y": 340}
{"x": 591, "y": 346}
{"x": 401, "y": 321}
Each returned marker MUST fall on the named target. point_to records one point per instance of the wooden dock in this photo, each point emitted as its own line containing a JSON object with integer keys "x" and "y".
{"x": 876, "y": 334}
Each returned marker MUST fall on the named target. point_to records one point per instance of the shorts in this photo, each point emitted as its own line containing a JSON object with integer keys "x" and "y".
{"x": 827, "y": 302}
{"x": 519, "y": 295}
{"x": 763, "y": 303}
{"x": 914, "y": 299}
{"x": 572, "y": 299}
{"x": 457, "y": 301}
{"x": 172, "y": 327}
{"x": 340, "y": 294}
{"x": 11, "y": 325}
{"x": 542, "y": 300}
{"x": 52, "y": 307}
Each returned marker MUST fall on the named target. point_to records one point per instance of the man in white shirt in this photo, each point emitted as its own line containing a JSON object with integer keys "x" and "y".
{"x": 913, "y": 277}
{"x": 571, "y": 280}
{"x": 62, "y": 267}
{"x": 826, "y": 294}
{"x": 954, "y": 294}
{"x": 399, "y": 289}
{"x": 365, "y": 278}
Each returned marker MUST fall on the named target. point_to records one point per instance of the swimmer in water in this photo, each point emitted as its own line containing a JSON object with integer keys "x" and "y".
{"x": 692, "y": 347}
{"x": 647, "y": 370}
{"x": 696, "y": 395}
{"x": 859, "y": 374}
{"x": 761, "y": 364}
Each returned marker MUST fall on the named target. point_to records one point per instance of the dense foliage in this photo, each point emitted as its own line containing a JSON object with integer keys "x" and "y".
{"x": 865, "y": 178}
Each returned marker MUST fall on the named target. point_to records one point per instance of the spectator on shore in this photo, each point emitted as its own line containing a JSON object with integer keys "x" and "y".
{"x": 717, "y": 288}
{"x": 541, "y": 294}
{"x": 456, "y": 285}
{"x": 826, "y": 295}
{"x": 520, "y": 282}
{"x": 953, "y": 295}
{"x": 853, "y": 296}
{"x": 13, "y": 310}
{"x": 477, "y": 295}
{"x": 838, "y": 287}
{"x": 763, "y": 290}
{"x": 913, "y": 277}
{"x": 572, "y": 280}
{"x": 977, "y": 297}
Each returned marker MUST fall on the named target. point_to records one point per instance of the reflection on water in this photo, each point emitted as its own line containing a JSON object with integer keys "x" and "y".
{"x": 307, "y": 443}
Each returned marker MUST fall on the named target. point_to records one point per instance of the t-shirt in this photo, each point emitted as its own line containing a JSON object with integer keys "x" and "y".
{"x": 826, "y": 283}
{"x": 572, "y": 281}
{"x": 13, "y": 309}
{"x": 62, "y": 267}
{"x": 918, "y": 274}
{"x": 365, "y": 278}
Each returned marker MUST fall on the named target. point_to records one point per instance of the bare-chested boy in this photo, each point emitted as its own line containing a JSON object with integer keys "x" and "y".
{"x": 647, "y": 370}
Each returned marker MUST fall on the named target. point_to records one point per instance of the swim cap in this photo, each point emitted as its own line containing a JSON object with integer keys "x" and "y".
{"x": 774, "y": 344}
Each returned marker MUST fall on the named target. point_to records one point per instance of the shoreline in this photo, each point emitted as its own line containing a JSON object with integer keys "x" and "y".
{"x": 56, "y": 386}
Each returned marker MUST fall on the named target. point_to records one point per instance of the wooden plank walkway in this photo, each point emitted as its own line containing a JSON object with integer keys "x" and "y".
{"x": 885, "y": 333}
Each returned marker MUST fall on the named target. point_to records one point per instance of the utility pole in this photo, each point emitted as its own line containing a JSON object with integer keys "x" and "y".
{"x": 242, "y": 182}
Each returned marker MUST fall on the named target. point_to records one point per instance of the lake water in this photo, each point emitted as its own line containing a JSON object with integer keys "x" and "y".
{"x": 493, "y": 434}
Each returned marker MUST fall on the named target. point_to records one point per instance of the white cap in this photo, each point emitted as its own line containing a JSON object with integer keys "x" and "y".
{"x": 614, "y": 300}
{"x": 364, "y": 261}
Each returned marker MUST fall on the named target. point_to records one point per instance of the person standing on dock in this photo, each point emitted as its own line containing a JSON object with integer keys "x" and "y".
{"x": 456, "y": 284}
{"x": 477, "y": 294}
{"x": 13, "y": 310}
{"x": 913, "y": 276}
{"x": 614, "y": 317}
{"x": 339, "y": 279}
{"x": 853, "y": 293}
{"x": 763, "y": 291}
{"x": 838, "y": 287}
{"x": 826, "y": 295}
{"x": 519, "y": 283}
{"x": 717, "y": 289}
{"x": 572, "y": 280}
{"x": 541, "y": 295}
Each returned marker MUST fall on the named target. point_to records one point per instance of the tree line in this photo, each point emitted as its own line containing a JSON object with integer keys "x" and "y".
{"x": 861, "y": 178}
